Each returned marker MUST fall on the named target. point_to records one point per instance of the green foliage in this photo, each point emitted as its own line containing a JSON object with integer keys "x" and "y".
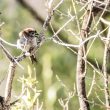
{"x": 29, "y": 97}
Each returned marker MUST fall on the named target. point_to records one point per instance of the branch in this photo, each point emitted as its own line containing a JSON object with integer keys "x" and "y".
{"x": 105, "y": 63}
{"x": 8, "y": 89}
{"x": 81, "y": 63}
{"x": 11, "y": 73}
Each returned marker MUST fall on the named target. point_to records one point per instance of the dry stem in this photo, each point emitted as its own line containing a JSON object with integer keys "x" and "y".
{"x": 105, "y": 63}
{"x": 81, "y": 63}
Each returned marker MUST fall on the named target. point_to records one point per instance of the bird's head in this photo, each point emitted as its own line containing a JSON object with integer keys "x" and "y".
{"x": 28, "y": 33}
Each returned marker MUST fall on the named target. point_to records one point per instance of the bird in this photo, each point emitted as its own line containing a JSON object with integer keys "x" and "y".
{"x": 29, "y": 41}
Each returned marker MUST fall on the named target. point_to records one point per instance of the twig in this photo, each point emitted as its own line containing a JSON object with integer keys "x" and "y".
{"x": 4, "y": 41}
{"x": 9, "y": 56}
{"x": 77, "y": 20}
{"x": 65, "y": 102}
{"x": 18, "y": 97}
{"x": 62, "y": 84}
{"x": 39, "y": 106}
{"x": 58, "y": 4}
{"x": 74, "y": 34}
{"x": 106, "y": 5}
{"x": 72, "y": 18}
{"x": 90, "y": 46}
{"x": 92, "y": 84}
{"x": 105, "y": 22}
{"x": 99, "y": 99}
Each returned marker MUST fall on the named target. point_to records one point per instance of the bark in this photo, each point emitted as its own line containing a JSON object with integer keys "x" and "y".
{"x": 8, "y": 91}
{"x": 81, "y": 63}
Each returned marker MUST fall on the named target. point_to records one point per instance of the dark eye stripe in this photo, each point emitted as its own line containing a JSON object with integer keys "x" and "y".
{"x": 32, "y": 32}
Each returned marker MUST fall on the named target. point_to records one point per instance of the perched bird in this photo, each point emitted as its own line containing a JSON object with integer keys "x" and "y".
{"x": 29, "y": 41}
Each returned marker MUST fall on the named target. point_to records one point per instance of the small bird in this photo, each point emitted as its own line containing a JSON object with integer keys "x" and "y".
{"x": 29, "y": 41}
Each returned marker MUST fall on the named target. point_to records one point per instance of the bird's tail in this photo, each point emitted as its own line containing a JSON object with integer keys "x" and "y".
{"x": 33, "y": 59}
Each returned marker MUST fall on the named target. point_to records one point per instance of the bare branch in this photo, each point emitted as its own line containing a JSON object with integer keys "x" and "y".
{"x": 8, "y": 89}
{"x": 81, "y": 64}
{"x": 105, "y": 63}
{"x": 3, "y": 41}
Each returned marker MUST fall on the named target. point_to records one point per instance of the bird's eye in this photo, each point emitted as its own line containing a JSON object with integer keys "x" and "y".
{"x": 32, "y": 32}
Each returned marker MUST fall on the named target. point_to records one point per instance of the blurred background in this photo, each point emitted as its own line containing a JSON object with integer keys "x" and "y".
{"x": 56, "y": 67}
